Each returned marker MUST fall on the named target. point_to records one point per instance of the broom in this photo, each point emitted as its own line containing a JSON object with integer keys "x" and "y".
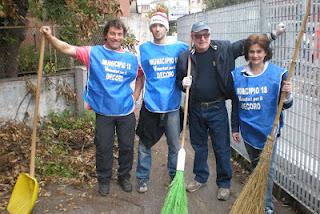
{"x": 176, "y": 201}
{"x": 255, "y": 188}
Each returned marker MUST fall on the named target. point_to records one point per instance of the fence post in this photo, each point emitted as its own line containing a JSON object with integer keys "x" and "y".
{"x": 79, "y": 83}
{"x": 263, "y": 10}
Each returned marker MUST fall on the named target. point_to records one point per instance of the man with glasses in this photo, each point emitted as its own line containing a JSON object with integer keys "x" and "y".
{"x": 211, "y": 84}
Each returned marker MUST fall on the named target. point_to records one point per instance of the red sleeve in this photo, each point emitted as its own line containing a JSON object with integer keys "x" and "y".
{"x": 140, "y": 72}
{"x": 82, "y": 54}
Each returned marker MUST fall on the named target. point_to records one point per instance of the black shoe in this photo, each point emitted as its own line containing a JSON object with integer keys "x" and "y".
{"x": 104, "y": 189}
{"x": 125, "y": 184}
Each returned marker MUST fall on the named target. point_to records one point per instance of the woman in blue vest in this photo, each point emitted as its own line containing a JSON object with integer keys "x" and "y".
{"x": 257, "y": 88}
{"x": 111, "y": 70}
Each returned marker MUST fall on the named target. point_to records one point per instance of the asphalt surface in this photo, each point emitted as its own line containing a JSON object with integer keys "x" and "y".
{"x": 68, "y": 199}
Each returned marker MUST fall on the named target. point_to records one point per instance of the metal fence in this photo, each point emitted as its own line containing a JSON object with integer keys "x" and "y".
{"x": 298, "y": 153}
{"x": 19, "y": 48}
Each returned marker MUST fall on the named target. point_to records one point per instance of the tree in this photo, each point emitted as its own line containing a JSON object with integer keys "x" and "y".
{"x": 159, "y": 8}
{"x": 12, "y": 14}
{"x": 78, "y": 20}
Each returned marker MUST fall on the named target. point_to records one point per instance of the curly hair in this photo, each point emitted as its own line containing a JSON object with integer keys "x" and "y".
{"x": 261, "y": 40}
{"x": 117, "y": 23}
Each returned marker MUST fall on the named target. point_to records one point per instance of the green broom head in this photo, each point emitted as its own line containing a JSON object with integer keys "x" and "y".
{"x": 176, "y": 201}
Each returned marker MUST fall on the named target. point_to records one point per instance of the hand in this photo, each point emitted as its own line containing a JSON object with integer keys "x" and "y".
{"x": 280, "y": 29}
{"x": 187, "y": 81}
{"x": 236, "y": 137}
{"x": 286, "y": 86}
{"x": 46, "y": 31}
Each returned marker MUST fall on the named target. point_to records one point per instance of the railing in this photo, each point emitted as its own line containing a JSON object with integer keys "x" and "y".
{"x": 298, "y": 153}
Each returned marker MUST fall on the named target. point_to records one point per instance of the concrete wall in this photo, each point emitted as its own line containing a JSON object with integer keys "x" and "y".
{"x": 17, "y": 104}
{"x": 139, "y": 26}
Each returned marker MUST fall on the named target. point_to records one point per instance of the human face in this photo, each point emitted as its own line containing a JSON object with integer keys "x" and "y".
{"x": 256, "y": 55}
{"x": 201, "y": 40}
{"x": 159, "y": 33}
{"x": 114, "y": 38}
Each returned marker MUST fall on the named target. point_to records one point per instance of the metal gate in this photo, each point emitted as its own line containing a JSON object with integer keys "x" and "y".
{"x": 298, "y": 153}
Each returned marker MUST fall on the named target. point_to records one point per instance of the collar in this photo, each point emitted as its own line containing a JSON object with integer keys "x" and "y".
{"x": 247, "y": 71}
{"x": 120, "y": 50}
{"x": 212, "y": 45}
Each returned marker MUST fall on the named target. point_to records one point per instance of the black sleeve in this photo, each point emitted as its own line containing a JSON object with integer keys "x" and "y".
{"x": 181, "y": 69}
{"x": 238, "y": 48}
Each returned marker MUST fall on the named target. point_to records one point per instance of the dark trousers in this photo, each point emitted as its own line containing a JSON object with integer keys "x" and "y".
{"x": 254, "y": 155}
{"x": 212, "y": 119}
{"x": 106, "y": 126}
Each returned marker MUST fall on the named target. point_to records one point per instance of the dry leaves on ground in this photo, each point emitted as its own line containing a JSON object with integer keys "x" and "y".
{"x": 64, "y": 155}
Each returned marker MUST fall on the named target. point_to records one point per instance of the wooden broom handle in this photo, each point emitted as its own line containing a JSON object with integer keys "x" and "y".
{"x": 36, "y": 109}
{"x": 291, "y": 68}
{"x": 186, "y": 102}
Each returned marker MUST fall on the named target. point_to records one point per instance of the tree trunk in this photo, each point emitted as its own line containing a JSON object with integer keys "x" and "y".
{"x": 10, "y": 42}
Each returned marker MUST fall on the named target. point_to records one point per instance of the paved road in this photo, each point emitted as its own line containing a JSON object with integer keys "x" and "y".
{"x": 66, "y": 199}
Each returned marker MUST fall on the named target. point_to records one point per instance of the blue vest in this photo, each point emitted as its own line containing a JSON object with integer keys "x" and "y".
{"x": 108, "y": 90}
{"x": 159, "y": 66}
{"x": 258, "y": 98}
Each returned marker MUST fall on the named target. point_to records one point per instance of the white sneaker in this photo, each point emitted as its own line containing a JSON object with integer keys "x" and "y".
{"x": 223, "y": 194}
{"x": 194, "y": 186}
{"x": 142, "y": 186}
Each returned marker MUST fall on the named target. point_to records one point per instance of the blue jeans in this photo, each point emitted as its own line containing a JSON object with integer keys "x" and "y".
{"x": 254, "y": 155}
{"x": 212, "y": 119}
{"x": 172, "y": 132}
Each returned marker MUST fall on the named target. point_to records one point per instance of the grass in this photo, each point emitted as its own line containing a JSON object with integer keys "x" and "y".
{"x": 55, "y": 157}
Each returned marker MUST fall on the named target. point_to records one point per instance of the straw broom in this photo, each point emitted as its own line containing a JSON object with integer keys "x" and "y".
{"x": 176, "y": 201}
{"x": 252, "y": 197}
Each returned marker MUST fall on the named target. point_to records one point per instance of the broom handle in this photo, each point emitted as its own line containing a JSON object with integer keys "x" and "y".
{"x": 186, "y": 103}
{"x": 291, "y": 68}
{"x": 36, "y": 109}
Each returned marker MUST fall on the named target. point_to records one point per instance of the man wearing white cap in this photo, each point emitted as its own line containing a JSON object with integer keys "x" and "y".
{"x": 161, "y": 99}
{"x": 211, "y": 84}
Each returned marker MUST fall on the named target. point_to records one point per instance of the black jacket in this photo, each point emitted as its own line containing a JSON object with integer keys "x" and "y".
{"x": 226, "y": 53}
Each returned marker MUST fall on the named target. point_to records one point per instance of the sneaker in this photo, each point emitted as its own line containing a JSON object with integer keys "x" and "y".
{"x": 223, "y": 194}
{"x": 194, "y": 186}
{"x": 142, "y": 186}
{"x": 104, "y": 189}
{"x": 269, "y": 210}
{"x": 125, "y": 184}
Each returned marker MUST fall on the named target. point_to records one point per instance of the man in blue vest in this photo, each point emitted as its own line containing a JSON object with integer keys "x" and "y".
{"x": 211, "y": 84}
{"x": 161, "y": 99}
{"x": 109, "y": 95}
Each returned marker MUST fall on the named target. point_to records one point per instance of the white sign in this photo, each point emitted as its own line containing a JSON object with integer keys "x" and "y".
{"x": 177, "y": 8}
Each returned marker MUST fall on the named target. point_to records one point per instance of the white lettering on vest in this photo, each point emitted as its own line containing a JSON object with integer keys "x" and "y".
{"x": 165, "y": 74}
{"x": 251, "y": 106}
{"x": 114, "y": 77}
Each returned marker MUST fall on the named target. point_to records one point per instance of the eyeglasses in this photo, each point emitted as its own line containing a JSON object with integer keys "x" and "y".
{"x": 199, "y": 36}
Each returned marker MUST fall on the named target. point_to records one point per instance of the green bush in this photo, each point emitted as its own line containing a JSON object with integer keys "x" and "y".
{"x": 67, "y": 120}
{"x": 27, "y": 60}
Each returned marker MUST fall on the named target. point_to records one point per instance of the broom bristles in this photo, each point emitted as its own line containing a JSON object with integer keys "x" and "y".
{"x": 176, "y": 199}
{"x": 252, "y": 197}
